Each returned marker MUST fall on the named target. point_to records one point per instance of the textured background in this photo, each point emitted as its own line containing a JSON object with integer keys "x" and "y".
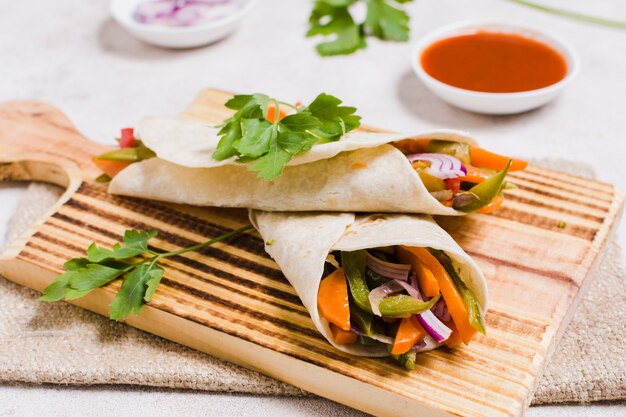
{"x": 72, "y": 54}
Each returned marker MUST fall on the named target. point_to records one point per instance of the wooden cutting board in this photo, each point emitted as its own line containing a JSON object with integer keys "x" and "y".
{"x": 232, "y": 301}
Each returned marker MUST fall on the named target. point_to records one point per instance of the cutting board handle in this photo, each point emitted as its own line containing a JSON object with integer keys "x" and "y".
{"x": 39, "y": 143}
{"x": 33, "y": 129}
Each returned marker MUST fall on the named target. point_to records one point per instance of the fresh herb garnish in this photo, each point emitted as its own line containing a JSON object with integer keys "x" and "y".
{"x": 250, "y": 136}
{"x": 132, "y": 260}
{"x": 384, "y": 19}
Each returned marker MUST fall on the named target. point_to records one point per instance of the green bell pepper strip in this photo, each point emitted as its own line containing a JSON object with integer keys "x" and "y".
{"x": 399, "y": 306}
{"x": 395, "y": 306}
{"x": 354, "y": 266}
{"x": 128, "y": 154}
{"x": 407, "y": 359}
{"x": 459, "y": 150}
{"x": 481, "y": 194}
{"x": 361, "y": 319}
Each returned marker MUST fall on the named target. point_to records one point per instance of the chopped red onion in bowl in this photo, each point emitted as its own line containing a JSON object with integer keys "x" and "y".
{"x": 182, "y": 13}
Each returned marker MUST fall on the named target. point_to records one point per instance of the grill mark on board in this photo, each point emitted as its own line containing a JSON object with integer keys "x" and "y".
{"x": 552, "y": 207}
{"x": 527, "y": 218}
{"x": 162, "y": 212}
{"x": 256, "y": 315}
{"x": 79, "y": 223}
{"x": 543, "y": 193}
{"x": 246, "y": 242}
{"x": 227, "y": 276}
{"x": 249, "y": 243}
{"x": 585, "y": 183}
{"x": 61, "y": 243}
{"x": 271, "y": 273}
{"x": 536, "y": 182}
{"x": 195, "y": 265}
{"x": 549, "y": 274}
{"x": 259, "y": 287}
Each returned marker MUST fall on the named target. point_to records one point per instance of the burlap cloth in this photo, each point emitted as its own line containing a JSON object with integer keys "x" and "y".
{"x": 62, "y": 344}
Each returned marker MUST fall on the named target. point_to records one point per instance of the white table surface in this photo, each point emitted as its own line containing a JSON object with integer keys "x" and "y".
{"x": 72, "y": 54}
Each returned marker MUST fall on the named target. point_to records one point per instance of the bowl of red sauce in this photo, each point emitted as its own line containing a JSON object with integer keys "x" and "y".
{"x": 494, "y": 68}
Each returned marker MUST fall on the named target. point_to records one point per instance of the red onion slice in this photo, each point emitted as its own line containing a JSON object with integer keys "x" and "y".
{"x": 442, "y": 166}
{"x": 388, "y": 270}
{"x": 428, "y": 343}
{"x": 181, "y": 13}
{"x": 377, "y": 294}
{"x": 433, "y": 326}
{"x": 440, "y": 310}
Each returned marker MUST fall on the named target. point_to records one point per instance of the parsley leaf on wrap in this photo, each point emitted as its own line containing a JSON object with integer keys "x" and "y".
{"x": 250, "y": 137}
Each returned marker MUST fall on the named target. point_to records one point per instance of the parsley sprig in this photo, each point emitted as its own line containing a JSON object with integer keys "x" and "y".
{"x": 384, "y": 19}
{"x": 249, "y": 136}
{"x": 132, "y": 260}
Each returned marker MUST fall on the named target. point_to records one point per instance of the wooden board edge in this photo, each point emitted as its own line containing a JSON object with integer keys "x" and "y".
{"x": 596, "y": 256}
{"x": 336, "y": 387}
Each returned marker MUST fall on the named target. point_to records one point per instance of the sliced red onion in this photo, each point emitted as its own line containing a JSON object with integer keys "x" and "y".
{"x": 440, "y": 310}
{"x": 433, "y": 326}
{"x": 413, "y": 292}
{"x": 388, "y": 340}
{"x": 388, "y": 270}
{"x": 182, "y": 12}
{"x": 377, "y": 294}
{"x": 442, "y": 166}
{"x": 428, "y": 343}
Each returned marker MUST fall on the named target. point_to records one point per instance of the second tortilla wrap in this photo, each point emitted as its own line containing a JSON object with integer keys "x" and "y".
{"x": 361, "y": 172}
{"x": 301, "y": 242}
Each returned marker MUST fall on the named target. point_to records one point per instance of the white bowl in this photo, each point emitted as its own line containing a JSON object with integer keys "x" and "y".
{"x": 178, "y": 37}
{"x": 493, "y": 103}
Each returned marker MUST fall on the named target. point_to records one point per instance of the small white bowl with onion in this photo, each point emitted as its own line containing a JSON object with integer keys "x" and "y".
{"x": 180, "y": 23}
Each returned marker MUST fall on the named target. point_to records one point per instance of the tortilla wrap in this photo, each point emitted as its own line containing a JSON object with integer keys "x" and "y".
{"x": 360, "y": 172}
{"x": 301, "y": 242}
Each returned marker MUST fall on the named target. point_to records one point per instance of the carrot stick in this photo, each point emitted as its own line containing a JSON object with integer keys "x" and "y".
{"x": 332, "y": 299}
{"x": 409, "y": 333}
{"x": 475, "y": 175}
{"x": 425, "y": 278}
{"x": 485, "y": 159}
{"x": 495, "y": 204}
{"x": 111, "y": 168}
{"x": 342, "y": 337}
{"x": 451, "y": 295}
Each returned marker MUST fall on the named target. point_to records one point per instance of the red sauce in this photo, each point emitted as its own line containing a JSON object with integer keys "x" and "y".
{"x": 494, "y": 63}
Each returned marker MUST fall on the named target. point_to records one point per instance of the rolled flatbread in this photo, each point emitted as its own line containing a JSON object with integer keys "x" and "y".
{"x": 361, "y": 172}
{"x": 300, "y": 243}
